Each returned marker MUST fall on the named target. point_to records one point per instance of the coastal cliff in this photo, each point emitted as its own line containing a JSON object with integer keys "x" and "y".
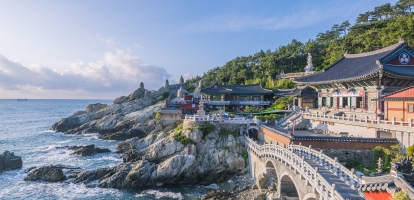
{"x": 156, "y": 152}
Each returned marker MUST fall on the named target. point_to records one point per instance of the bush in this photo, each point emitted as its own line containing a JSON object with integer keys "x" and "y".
{"x": 245, "y": 155}
{"x": 224, "y": 133}
{"x": 225, "y": 148}
{"x": 183, "y": 140}
{"x": 158, "y": 115}
{"x": 206, "y": 129}
{"x": 401, "y": 195}
{"x": 154, "y": 137}
{"x": 165, "y": 95}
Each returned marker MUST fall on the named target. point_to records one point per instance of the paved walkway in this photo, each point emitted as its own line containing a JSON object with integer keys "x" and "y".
{"x": 345, "y": 190}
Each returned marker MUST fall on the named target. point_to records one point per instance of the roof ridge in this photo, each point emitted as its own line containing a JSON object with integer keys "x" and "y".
{"x": 385, "y": 49}
{"x": 398, "y": 91}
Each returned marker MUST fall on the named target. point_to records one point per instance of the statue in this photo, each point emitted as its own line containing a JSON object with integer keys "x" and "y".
{"x": 166, "y": 84}
{"x": 309, "y": 67}
{"x": 141, "y": 85}
{"x": 181, "y": 81}
{"x": 403, "y": 167}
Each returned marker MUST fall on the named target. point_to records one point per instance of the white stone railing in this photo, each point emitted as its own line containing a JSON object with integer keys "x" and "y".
{"x": 294, "y": 158}
{"x": 294, "y": 75}
{"x": 221, "y": 120}
{"x": 348, "y": 176}
{"x": 375, "y": 123}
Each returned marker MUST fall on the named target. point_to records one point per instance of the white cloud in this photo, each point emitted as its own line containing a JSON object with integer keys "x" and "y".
{"x": 138, "y": 46}
{"x": 106, "y": 40}
{"x": 304, "y": 14}
{"x": 115, "y": 72}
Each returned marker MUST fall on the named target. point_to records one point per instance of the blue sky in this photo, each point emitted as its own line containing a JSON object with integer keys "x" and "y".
{"x": 103, "y": 49}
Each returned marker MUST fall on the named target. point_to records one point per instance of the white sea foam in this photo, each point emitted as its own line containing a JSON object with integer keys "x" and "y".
{"x": 212, "y": 186}
{"x": 159, "y": 194}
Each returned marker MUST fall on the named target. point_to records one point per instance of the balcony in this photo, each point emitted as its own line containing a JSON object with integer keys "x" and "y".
{"x": 244, "y": 103}
{"x": 250, "y": 103}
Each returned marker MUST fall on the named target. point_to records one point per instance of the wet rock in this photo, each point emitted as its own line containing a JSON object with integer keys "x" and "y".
{"x": 135, "y": 132}
{"x": 87, "y": 150}
{"x": 9, "y": 161}
{"x": 47, "y": 173}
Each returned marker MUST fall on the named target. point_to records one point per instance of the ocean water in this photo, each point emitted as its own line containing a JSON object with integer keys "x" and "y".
{"x": 24, "y": 130}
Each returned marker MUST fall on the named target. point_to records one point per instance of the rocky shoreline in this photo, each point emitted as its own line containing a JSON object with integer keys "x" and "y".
{"x": 155, "y": 152}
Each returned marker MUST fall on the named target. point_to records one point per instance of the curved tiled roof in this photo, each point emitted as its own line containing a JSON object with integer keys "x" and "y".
{"x": 236, "y": 89}
{"x": 359, "y": 66}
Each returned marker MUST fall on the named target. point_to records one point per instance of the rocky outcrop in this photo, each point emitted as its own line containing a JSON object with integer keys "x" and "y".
{"x": 118, "y": 121}
{"x": 87, "y": 150}
{"x": 9, "y": 161}
{"x": 47, "y": 173}
{"x": 159, "y": 159}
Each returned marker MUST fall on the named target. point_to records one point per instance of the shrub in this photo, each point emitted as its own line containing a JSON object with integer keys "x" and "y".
{"x": 183, "y": 140}
{"x": 165, "y": 95}
{"x": 154, "y": 137}
{"x": 158, "y": 115}
{"x": 401, "y": 195}
{"x": 224, "y": 133}
{"x": 225, "y": 148}
{"x": 245, "y": 155}
{"x": 206, "y": 129}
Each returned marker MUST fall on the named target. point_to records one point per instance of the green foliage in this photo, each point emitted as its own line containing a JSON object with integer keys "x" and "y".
{"x": 190, "y": 87}
{"x": 401, "y": 195}
{"x": 157, "y": 115}
{"x": 282, "y": 102}
{"x": 154, "y": 136}
{"x": 225, "y": 133}
{"x": 165, "y": 95}
{"x": 253, "y": 109}
{"x": 153, "y": 102}
{"x": 410, "y": 151}
{"x": 245, "y": 155}
{"x": 225, "y": 148}
{"x": 269, "y": 117}
{"x": 381, "y": 27}
{"x": 206, "y": 129}
{"x": 183, "y": 139}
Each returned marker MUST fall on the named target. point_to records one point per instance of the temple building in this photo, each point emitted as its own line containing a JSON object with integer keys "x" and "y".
{"x": 399, "y": 105}
{"x": 352, "y": 82}
{"x": 234, "y": 98}
{"x": 304, "y": 96}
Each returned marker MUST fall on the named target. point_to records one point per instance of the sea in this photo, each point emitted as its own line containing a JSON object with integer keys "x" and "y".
{"x": 25, "y": 130}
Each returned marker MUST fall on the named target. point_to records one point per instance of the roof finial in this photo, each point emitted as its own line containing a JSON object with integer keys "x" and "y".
{"x": 402, "y": 40}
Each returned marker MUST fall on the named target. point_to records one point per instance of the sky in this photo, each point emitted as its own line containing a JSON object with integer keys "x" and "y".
{"x": 102, "y": 49}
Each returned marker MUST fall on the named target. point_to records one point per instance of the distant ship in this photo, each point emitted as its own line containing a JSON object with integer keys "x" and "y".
{"x": 21, "y": 99}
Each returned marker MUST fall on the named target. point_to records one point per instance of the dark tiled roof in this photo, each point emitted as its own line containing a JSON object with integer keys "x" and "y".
{"x": 394, "y": 99}
{"x": 352, "y": 66}
{"x": 399, "y": 91}
{"x": 237, "y": 89}
{"x": 299, "y": 91}
{"x": 400, "y": 70}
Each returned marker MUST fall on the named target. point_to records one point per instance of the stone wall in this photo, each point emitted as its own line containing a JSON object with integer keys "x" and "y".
{"x": 364, "y": 155}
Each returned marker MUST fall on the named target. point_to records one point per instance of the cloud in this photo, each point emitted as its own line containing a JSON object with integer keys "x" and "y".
{"x": 138, "y": 46}
{"x": 106, "y": 40}
{"x": 114, "y": 72}
{"x": 305, "y": 14}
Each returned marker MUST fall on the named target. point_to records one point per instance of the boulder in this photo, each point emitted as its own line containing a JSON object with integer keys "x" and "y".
{"x": 87, "y": 150}
{"x": 9, "y": 161}
{"x": 47, "y": 173}
{"x": 135, "y": 132}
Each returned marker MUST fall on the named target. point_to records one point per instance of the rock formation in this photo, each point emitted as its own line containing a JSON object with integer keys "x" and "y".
{"x": 47, "y": 173}
{"x": 121, "y": 120}
{"x": 87, "y": 150}
{"x": 162, "y": 158}
{"x": 9, "y": 161}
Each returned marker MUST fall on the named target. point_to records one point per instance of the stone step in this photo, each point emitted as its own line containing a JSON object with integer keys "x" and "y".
{"x": 344, "y": 189}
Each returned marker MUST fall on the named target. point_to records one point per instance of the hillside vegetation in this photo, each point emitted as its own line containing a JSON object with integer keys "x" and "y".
{"x": 383, "y": 26}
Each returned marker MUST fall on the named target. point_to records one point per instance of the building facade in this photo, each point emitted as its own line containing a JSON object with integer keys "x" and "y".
{"x": 399, "y": 105}
{"x": 355, "y": 80}
{"x": 304, "y": 96}
{"x": 234, "y": 98}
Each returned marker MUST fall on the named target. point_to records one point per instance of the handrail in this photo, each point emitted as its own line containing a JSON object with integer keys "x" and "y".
{"x": 295, "y": 157}
{"x": 365, "y": 121}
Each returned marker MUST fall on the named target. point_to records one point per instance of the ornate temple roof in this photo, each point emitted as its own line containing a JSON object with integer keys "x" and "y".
{"x": 394, "y": 61}
{"x": 300, "y": 91}
{"x": 217, "y": 88}
{"x": 405, "y": 94}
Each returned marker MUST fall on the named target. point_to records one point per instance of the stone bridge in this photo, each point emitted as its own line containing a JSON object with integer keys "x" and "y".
{"x": 301, "y": 172}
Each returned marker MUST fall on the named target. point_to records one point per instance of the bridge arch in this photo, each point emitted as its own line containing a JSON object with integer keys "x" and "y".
{"x": 310, "y": 196}
{"x": 287, "y": 186}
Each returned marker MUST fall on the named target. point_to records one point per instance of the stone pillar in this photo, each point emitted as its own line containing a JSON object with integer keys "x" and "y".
{"x": 354, "y": 103}
{"x": 349, "y": 101}
{"x": 300, "y": 102}
{"x": 341, "y": 102}
{"x": 319, "y": 101}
